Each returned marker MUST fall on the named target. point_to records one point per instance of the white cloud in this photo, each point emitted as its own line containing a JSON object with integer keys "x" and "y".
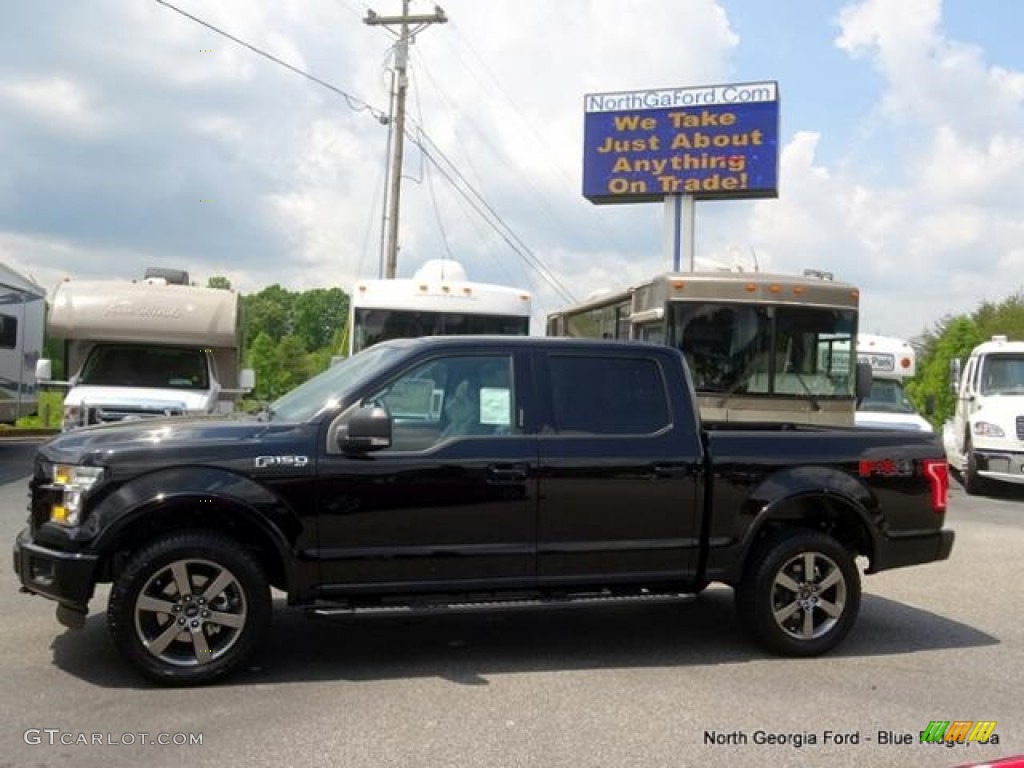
{"x": 56, "y": 103}
{"x": 296, "y": 172}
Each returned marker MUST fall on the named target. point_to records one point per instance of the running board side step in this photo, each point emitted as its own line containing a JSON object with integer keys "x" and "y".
{"x": 472, "y": 606}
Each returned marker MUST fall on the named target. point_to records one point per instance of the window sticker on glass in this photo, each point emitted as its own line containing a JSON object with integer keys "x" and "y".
{"x": 495, "y": 406}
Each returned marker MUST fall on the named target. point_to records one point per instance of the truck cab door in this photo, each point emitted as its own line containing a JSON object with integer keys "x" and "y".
{"x": 965, "y": 393}
{"x": 620, "y": 472}
{"x": 451, "y": 502}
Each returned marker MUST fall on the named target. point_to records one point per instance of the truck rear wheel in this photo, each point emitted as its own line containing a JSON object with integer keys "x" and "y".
{"x": 189, "y": 608}
{"x": 801, "y": 593}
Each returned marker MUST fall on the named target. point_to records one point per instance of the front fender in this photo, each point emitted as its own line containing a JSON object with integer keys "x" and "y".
{"x": 129, "y": 503}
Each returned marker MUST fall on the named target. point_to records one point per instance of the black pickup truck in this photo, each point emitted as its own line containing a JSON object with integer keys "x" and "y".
{"x": 456, "y": 473}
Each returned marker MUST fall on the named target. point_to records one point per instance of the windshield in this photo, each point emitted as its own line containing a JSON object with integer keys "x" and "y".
{"x": 765, "y": 350}
{"x": 332, "y": 386}
{"x": 1002, "y": 375}
{"x": 373, "y": 326}
{"x": 137, "y": 366}
{"x": 887, "y": 396}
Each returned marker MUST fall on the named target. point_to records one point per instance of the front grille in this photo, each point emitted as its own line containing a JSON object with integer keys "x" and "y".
{"x": 1020, "y": 427}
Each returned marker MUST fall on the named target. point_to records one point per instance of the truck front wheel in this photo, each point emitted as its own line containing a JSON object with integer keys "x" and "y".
{"x": 189, "y": 608}
{"x": 974, "y": 484}
{"x": 801, "y": 593}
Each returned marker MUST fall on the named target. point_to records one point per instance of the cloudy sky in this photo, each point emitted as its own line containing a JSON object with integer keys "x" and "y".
{"x": 132, "y": 136}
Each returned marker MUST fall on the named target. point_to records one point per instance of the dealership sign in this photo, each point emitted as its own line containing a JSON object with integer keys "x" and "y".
{"x": 711, "y": 142}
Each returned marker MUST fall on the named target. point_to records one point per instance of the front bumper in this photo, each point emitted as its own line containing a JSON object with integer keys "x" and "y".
{"x": 1005, "y": 466}
{"x": 911, "y": 550}
{"x": 67, "y": 577}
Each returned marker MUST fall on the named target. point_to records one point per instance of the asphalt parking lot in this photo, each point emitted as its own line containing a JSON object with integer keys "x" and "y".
{"x": 669, "y": 685}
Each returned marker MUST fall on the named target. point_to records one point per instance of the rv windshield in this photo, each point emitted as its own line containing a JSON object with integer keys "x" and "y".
{"x": 765, "y": 350}
{"x": 332, "y": 386}
{"x": 124, "y": 365}
{"x": 376, "y": 325}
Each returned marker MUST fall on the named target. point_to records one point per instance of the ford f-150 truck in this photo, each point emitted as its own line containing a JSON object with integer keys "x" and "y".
{"x": 454, "y": 473}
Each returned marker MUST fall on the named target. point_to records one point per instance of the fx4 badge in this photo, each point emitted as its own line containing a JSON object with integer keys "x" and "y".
{"x": 262, "y": 462}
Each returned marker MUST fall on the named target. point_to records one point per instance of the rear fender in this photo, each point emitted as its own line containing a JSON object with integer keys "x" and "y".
{"x": 815, "y": 497}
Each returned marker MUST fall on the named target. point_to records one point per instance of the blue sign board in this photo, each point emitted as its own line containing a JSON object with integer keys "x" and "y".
{"x": 711, "y": 142}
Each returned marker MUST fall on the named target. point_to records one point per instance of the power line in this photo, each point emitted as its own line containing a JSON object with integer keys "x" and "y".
{"x": 472, "y": 196}
{"x": 480, "y": 205}
{"x": 354, "y": 102}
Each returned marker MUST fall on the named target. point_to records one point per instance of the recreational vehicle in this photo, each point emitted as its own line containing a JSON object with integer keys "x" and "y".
{"x": 151, "y": 347}
{"x": 22, "y": 313}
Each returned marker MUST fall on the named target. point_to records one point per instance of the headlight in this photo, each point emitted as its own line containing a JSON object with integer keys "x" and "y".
{"x": 74, "y": 482}
{"x": 987, "y": 429}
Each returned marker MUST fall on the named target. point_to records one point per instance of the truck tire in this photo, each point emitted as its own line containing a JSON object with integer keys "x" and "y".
{"x": 974, "y": 484}
{"x": 791, "y": 613}
{"x": 189, "y": 608}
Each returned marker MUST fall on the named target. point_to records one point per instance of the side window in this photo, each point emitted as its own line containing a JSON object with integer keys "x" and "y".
{"x": 8, "y": 332}
{"x": 449, "y": 397}
{"x": 607, "y": 396}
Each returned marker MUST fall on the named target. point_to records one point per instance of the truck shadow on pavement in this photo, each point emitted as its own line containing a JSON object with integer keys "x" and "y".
{"x": 467, "y": 648}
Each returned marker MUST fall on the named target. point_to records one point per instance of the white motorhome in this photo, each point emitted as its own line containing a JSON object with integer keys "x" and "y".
{"x": 152, "y": 347}
{"x": 22, "y": 313}
{"x": 438, "y": 300}
{"x": 984, "y": 441}
{"x": 893, "y": 361}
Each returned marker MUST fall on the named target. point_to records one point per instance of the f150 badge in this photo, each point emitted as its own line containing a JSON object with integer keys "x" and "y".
{"x": 262, "y": 462}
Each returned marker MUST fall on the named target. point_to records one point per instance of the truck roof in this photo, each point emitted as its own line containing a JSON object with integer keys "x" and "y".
{"x": 151, "y": 311}
{"x": 998, "y": 344}
{"x": 470, "y": 341}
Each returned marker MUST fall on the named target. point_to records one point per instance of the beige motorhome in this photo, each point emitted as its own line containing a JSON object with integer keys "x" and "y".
{"x": 151, "y": 347}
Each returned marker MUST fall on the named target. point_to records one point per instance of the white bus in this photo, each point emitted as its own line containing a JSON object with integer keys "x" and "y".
{"x": 437, "y": 301}
{"x": 760, "y": 347}
{"x": 893, "y": 361}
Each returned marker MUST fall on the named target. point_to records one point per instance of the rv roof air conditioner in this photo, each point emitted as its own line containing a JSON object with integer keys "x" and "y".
{"x": 170, "y": 276}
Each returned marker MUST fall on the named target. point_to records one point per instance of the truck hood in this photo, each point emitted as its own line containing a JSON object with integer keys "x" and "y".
{"x": 154, "y": 443}
{"x": 139, "y": 397}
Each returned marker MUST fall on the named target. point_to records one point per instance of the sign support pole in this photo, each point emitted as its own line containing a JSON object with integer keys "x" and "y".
{"x": 679, "y": 241}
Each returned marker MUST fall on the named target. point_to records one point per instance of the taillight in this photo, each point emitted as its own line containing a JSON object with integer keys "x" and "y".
{"x": 937, "y": 472}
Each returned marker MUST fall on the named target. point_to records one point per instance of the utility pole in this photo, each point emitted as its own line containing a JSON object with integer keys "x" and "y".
{"x": 405, "y": 36}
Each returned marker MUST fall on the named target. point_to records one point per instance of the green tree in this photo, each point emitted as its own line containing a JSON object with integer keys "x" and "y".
{"x": 952, "y": 339}
{"x": 219, "y": 281}
{"x": 269, "y": 312}
{"x": 293, "y": 363}
{"x": 318, "y": 314}
{"x": 263, "y": 358}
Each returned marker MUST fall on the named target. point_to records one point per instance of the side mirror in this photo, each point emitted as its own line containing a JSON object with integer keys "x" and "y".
{"x": 954, "y": 375}
{"x": 369, "y": 429}
{"x": 864, "y": 378}
{"x": 44, "y": 370}
{"x": 247, "y": 379}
